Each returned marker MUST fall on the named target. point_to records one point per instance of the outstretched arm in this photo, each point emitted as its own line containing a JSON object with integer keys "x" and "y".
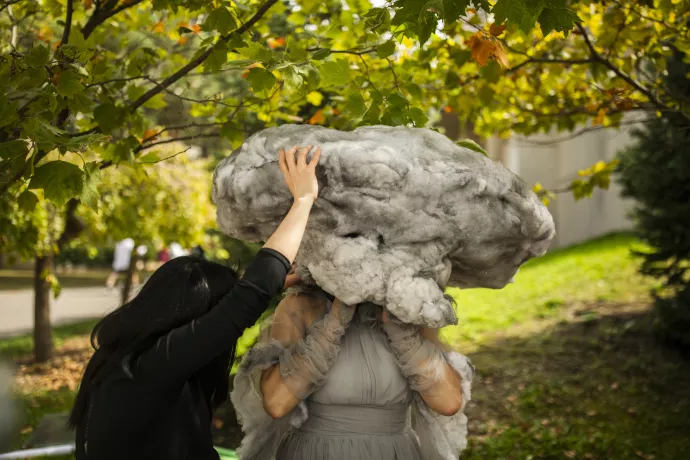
{"x": 183, "y": 351}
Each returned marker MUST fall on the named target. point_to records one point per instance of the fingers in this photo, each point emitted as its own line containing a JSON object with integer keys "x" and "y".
{"x": 282, "y": 163}
{"x": 315, "y": 158}
{"x": 302, "y": 156}
{"x": 290, "y": 159}
{"x": 291, "y": 280}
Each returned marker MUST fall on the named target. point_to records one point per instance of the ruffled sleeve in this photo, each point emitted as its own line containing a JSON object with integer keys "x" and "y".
{"x": 262, "y": 433}
{"x": 442, "y": 437}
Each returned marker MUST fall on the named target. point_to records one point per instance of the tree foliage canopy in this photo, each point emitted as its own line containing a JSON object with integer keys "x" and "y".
{"x": 109, "y": 81}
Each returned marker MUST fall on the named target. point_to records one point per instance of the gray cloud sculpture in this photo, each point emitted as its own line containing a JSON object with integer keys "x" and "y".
{"x": 401, "y": 213}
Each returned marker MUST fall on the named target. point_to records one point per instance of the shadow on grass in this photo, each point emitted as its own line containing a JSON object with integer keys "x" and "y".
{"x": 601, "y": 387}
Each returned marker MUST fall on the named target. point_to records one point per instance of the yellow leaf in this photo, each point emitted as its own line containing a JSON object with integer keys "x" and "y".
{"x": 501, "y": 56}
{"x": 599, "y": 119}
{"x": 315, "y": 98}
{"x": 599, "y": 166}
{"x": 150, "y": 134}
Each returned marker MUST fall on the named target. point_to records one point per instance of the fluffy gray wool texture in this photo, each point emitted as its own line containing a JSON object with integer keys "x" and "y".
{"x": 401, "y": 213}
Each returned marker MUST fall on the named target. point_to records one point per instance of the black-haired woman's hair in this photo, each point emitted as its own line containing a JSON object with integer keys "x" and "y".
{"x": 180, "y": 291}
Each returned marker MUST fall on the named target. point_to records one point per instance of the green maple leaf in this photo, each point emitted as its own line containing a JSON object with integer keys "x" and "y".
{"x": 560, "y": 19}
{"x": 260, "y": 79}
{"x": 68, "y": 83}
{"x": 220, "y": 19}
{"x": 60, "y": 181}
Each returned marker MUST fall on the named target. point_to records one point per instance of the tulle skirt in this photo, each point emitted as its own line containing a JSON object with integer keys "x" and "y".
{"x": 352, "y": 432}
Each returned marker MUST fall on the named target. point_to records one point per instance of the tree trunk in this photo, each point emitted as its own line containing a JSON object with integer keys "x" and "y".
{"x": 43, "y": 334}
{"x": 129, "y": 279}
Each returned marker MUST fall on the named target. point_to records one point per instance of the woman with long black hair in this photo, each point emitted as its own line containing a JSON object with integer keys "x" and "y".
{"x": 162, "y": 360}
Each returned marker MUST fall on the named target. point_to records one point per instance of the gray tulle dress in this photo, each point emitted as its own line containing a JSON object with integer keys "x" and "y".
{"x": 363, "y": 410}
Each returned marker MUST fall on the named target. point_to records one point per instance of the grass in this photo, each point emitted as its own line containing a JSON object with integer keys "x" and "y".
{"x": 23, "y": 279}
{"x": 599, "y": 388}
{"x": 600, "y": 270}
{"x": 19, "y": 347}
{"x": 568, "y": 365}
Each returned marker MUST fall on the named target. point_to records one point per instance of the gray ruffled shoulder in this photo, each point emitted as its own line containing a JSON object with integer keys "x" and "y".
{"x": 442, "y": 437}
{"x": 262, "y": 433}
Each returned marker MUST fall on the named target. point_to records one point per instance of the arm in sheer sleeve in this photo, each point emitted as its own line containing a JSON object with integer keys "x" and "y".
{"x": 265, "y": 405}
{"x": 442, "y": 379}
{"x": 308, "y": 353}
{"x": 422, "y": 359}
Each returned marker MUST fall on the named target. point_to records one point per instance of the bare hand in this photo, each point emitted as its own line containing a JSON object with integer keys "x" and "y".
{"x": 300, "y": 177}
{"x": 291, "y": 279}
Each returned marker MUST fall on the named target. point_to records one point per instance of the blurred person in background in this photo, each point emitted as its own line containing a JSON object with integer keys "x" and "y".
{"x": 176, "y": 250}
{"x": 121, "y": 260}
{"x": 163, "y": 255}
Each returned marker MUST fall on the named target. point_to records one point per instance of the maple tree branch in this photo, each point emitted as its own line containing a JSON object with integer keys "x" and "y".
{"x": 551, "y": 61}
{"x": 7, "y": 4}
{"x": 68, "y": 22}
{"x": 622, "y": 75}
{"x": 352, "y": 52}
{"x": 100, "y": 15}
{"x": 117, "y": 80}
{"x": 166, "y": 158}
{"x": 395, "y": 76}
{"x": 578, "y": 133}
{"x": 177, "y": 127}
{"x": 200, "y": 59}
{"x": 187, "y": 68}
{"x": 177, "y": 139}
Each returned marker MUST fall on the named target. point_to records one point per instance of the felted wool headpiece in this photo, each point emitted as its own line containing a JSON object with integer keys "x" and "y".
{"x": 401, "y": 213}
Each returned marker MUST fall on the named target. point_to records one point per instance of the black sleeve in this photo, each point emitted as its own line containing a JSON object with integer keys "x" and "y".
{"x": 183, "y": 351}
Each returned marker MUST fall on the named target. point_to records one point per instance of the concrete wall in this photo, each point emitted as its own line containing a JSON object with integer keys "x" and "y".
{"x": 555, "y": 164}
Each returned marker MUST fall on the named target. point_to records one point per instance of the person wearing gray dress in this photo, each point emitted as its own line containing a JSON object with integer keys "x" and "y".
{"x": 333, "y": 381}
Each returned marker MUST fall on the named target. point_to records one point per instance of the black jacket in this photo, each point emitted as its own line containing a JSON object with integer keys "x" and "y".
{"x": 155, "y": 407}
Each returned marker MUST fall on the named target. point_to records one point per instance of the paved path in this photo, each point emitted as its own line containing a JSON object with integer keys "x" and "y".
{"x": 73, "y": 305}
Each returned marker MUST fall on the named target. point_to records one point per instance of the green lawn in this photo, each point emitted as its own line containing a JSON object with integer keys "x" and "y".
{"x": 568, "y": 365}
{"x": 23, "y": 279}
{"x": 601, "y": 270}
